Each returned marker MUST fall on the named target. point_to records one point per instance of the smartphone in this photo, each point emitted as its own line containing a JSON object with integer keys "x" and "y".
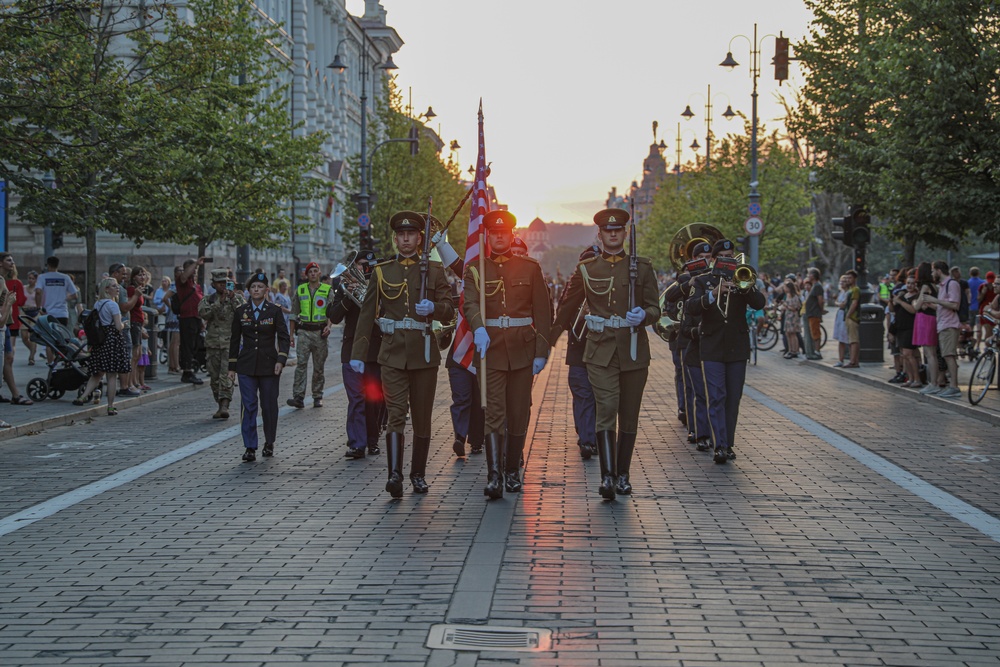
{"x": 230, "y": 285}
{"x": 209, "y": 260}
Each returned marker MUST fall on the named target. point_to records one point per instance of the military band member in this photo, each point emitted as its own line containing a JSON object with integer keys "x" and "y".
{"x": 258, "y": 350}
{"x": 408, "y": 377}
{"x": 512, "y": 336}
{"x": 725, "y": 348}
{"x": 310, "y": 329}
{"x": 218, "y": 311}
{"x": 618, "y": 380}
{"x": 365, "y": 404}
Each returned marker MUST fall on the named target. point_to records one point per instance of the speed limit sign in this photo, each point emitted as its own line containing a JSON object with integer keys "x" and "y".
{"x": 754, "y": 226}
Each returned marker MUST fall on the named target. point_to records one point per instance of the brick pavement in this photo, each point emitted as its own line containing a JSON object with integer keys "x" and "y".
{"x": 794, "y": 554}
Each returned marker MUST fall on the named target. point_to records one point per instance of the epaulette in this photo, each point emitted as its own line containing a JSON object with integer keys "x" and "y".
{"x": 645, "y": 260}
{"x": 386, "y": 261}
{"x": 587, "y": 261}
{"x": 434, "y": 262}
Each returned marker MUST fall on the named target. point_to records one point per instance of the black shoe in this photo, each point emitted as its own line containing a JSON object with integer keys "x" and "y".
{"x": 194, "y": 379}
{"x": 476, "y": 449}
{"x": 512, "y": 482}
{"x": 186, "y": 377}
{"x": 704, "y": 445}
{"x": 608, "y": 454}
{"x": 730, "y": 453}
{"x": 721, "y": 455}
{"x": 268, "y": 449}
{"x": 626, "y": 447}
{"x": 586, "y": 451}
{"x": 355, "y": 453}
{"x": 374, "y": 450}
{"x": 459, "y": 448}
{"x": 624, "y": 486}
{"x": 898, "y": 378}
{"x": 395, "y": 485}
{"x": 682, "y": 417}
{"x": 419, "y": 485}
{"x": 317, "y": 402}
{"x": 691, "y": 438}
{"x": 250, "y": 455}
{"x": 296, "y": 402}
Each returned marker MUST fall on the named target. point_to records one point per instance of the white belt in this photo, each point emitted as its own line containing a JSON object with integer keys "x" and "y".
{"x": 506, "y": 322}
{"x": 389, "y": 326}
{"x": 598, "y": 323}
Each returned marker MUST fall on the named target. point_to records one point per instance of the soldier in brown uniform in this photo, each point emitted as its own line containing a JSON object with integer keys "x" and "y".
{"x": 514, "y": 330}
{"x": 409, "y": 377}
{"x": 618, "y": 380}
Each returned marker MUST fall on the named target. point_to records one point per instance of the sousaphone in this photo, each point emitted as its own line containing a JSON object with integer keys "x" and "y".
{"x": 687, "y": 237}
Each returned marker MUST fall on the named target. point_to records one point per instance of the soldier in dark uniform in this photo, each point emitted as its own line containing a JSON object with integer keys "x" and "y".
{"x": 408, "y": 359}
{"x": 725, "y": 347}
{"x": 618, "y": 379}
{"x": 584, "y": 407}
{"x": 365, "y": 404}
{"x": 513, "y": 329}
{"x": 699, "y": 432}
{"x": 258, "y": 350}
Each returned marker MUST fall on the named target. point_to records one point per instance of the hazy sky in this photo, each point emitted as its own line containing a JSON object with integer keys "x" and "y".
{"x": 570, "y": 88}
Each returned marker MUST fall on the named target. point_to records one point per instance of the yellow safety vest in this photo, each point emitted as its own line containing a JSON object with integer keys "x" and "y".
{"x": 312, "y": 308}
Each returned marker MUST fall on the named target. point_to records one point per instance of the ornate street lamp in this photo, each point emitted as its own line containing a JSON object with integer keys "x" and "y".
{"x": 728, "y": 114}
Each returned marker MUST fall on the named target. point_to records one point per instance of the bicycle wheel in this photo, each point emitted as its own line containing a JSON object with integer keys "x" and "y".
{"x": 822, "y": 334}
{"x": 767, "y": 337}
{"x": 753, "y": 345}
{"x": 982, "y": 376}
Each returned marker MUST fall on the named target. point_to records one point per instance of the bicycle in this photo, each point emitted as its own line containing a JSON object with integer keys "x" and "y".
{"x": 751, "y": 325}
{"x": 767, "y": 331}
{"x": 984, "y": 372}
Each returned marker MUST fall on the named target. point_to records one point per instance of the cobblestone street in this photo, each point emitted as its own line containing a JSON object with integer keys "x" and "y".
{"x": 856, "y": 527}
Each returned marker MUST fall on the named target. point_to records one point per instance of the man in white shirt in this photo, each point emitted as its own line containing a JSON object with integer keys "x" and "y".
{"x": 51, "y": 291}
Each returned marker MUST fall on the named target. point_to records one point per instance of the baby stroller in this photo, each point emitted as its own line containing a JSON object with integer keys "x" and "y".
{"x": 967, "y": 343}
{"x": 67, "y": 371}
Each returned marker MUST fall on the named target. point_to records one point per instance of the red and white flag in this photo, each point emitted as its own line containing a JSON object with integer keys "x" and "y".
{"x": 464, "y": 349}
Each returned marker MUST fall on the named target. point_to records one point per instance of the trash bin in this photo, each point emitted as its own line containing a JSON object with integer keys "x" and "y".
{"x": 871, "y": 332}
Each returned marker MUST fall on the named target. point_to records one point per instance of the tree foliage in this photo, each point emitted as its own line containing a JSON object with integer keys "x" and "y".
{"x": 900, "y": 103}
{"x": 719, "y": 197}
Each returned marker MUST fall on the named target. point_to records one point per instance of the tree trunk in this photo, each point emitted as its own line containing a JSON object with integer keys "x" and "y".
{"x": 202, "y": 246}
{"x": 910, "y": 250}
{"x": 89, "y": 287}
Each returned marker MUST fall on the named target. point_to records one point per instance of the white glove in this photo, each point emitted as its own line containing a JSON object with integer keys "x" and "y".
{"x": 447, "y": 253}
{"x": 537, "y": 365}
{"x": 482, "y": 340}
{"x": 436, "y": 238}
{"x": 358, "y": 366}
{"x": 424, "y": 308}
{"x": 635, "y": 317}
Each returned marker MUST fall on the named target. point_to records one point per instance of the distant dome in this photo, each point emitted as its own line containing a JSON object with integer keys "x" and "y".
{"x": 536, "y": 225}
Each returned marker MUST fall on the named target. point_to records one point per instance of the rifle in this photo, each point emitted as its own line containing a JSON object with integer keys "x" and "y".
{"x": 425, "y": 265}
{"x": 633, "y": 275}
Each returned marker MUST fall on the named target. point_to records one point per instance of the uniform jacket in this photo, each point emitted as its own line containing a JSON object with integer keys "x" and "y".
{"x": 723, "y": 339}
{"x": 514, "y": 287}
{"x": 218, "y": 317}
{"x": 342, "y": 309}
{"x": 256, "y": 345}
{"x": 606, "y": 293}
{"x": 393, "y": 292}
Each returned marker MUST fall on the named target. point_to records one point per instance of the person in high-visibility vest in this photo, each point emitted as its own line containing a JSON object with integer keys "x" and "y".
{"x": 310, "y": 329}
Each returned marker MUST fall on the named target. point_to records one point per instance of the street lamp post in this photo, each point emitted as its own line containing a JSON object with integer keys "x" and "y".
{"x": 730, "y": 63}
{"x": 728, "y": 114}
{"x": 694, "y": 146}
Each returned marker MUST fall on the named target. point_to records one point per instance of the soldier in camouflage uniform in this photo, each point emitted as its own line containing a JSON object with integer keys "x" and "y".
{"x": 217, "y": 312}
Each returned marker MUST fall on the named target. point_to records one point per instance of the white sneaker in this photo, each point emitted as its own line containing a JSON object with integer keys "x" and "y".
{"x": 930, "y": 389}
{"x": 950, "y": 392}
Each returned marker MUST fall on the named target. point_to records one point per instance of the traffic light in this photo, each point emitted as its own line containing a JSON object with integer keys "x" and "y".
{"x": 743, "y": 245}
{"x": 843, "y": 230}
{"x": 414, "y": 139}
{"x": 57, "y": 240}
{"x": 780, "y": 59}
{"x": 861, "y": 234}
{"x": 365, "y": 239}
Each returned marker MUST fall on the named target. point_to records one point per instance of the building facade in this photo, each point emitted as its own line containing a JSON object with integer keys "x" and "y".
{"x": 313, "y": 32}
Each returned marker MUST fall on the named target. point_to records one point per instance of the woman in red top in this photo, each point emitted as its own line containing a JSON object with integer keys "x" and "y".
{"x": 8, "y": 271}
{"x": 137, "y": 319}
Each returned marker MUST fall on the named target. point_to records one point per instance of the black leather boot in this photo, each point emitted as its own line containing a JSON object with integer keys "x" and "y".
{"x": 609, "y": 458}
{"x": 626, "y": 445}
{"x": 494, "y": 455}
{"x": 394, "y": 454}
{"x": 512, "y": 471}
{"x": 418, "y": 463}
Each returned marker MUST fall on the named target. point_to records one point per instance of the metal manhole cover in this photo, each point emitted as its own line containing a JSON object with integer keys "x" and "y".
{"x": 488, "y": 638}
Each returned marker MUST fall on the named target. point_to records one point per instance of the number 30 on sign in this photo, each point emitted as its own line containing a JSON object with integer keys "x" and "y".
{"x": 754, "y": 226}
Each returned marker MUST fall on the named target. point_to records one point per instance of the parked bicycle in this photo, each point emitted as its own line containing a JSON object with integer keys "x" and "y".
{"x": 768, "y": 332}
{"x": 984, "y": 372}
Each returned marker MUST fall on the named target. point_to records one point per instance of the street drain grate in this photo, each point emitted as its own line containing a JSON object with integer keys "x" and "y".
{"x": 488, "y": 638}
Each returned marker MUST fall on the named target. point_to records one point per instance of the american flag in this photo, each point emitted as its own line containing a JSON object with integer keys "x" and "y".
{"x": 464, "y": 349}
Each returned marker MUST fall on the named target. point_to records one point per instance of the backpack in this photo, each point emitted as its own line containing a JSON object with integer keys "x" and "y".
{"x": 93, "y": 329}
{"x": 963, "y": 303}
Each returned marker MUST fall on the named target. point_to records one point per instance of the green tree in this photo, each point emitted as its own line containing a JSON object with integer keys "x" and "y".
{"x": 719, "y": 197}
{"x": 401, "y": 181}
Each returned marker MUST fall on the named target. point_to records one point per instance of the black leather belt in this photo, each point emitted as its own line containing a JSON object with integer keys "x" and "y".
{"x": 311, "y": 327}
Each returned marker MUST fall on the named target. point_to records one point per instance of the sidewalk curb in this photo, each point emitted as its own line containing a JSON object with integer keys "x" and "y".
{"x": 962, "y": 408}
{"x": 95, "y": 411}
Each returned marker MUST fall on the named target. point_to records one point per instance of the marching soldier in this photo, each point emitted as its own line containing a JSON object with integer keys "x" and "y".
{"x": 725, "y": 347}
{"x": 309, "y": 328}
{"x": 517, "y": 312}
{"x": 217, "y": 311}
{"x": 365, "y": 405}
{"x": 408, "y": 376}
{"x": 618, "y": 380}
{"x": 258, "y": 351}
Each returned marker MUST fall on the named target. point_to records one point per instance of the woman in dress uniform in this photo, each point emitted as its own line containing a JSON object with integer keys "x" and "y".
{"x": 258, "y": 350}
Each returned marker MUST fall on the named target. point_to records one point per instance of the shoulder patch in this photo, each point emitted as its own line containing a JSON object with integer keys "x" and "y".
{"x": 386, "y": 261}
